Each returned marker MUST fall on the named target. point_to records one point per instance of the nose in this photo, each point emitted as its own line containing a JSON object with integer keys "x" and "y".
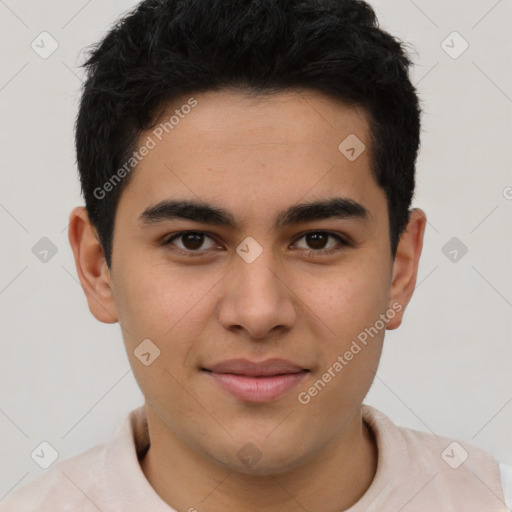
{"x": 256, "y": 298}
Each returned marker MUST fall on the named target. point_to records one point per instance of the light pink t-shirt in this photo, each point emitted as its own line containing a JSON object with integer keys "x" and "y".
{"x": 416, "y": 472}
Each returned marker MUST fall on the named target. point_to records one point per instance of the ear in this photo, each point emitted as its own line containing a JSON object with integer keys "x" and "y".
{"x": 405, "y": 266}
{"x": 91, "y": 266}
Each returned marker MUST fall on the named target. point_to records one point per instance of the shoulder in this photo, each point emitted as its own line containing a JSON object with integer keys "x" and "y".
{"x": 64, "y": 487}
{"x": 506, "y": 483}
{"x": 459, "y": 472}
{"x": 89, "y": 481}
{"x": 428, "y": 447}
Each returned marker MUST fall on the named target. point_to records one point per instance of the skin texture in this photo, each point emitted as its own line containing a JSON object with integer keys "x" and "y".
{"x": 253, "y": 157}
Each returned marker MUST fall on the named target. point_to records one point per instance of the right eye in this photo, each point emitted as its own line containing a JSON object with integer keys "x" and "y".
{"x": 191, "y": 242}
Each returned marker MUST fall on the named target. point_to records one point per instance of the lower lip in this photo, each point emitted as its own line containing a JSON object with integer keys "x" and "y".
{"x": 257, "y": 389}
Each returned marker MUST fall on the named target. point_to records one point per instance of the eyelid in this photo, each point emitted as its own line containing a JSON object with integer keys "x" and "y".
{"x": 343, "y": 240}
{"x": 341, "y": 237}
{"x": 167, "y": 240}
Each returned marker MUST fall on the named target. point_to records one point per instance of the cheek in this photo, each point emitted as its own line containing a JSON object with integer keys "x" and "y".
{"x": 347, "y": 307}
{"x": 164, "y": 306}
{"x": 350, "y": 306}
{"x": 347, "y": 299}
{"x": 167, "y": 306}
{"x": 155, "y": 300}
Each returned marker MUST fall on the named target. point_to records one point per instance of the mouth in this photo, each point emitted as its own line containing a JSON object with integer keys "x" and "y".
{"x": 256, "y": 382}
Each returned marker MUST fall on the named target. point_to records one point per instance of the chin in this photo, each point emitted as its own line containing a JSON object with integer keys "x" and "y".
{"x": 265, "y": 461}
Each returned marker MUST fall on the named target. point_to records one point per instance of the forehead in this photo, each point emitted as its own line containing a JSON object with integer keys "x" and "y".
{"x": 255, "y": 153}
{"x": 238, "y": 121}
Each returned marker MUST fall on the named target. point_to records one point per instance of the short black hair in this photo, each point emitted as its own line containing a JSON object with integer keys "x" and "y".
{"x": 164, "y": 49}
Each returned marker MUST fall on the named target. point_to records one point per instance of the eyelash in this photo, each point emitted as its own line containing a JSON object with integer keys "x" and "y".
{"x": 311, "y": 252}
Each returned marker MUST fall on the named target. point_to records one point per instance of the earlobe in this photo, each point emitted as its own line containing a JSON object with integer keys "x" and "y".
{"x": 91, "y": 266}
{"x": 405, "y": 266}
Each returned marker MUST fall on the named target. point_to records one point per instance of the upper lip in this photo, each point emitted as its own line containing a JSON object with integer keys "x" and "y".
{"x": 265, "y": 368}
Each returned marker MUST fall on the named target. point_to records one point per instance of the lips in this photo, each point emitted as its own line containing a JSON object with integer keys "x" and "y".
{"x": 248, "y": 368}
{"x": 250, "y": 381}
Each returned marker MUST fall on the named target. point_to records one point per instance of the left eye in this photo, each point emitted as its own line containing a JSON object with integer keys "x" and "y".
{"x": 192, "y": 242}
{"x": 318, "y": 239}
{"x": 191, "y": 239}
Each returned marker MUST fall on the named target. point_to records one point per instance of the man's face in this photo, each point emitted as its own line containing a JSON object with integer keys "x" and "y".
{"x": 254, "y": 290}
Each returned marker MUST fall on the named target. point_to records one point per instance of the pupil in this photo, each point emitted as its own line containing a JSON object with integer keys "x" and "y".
{"x": 316, "y": 240}
{"x": 193, "y": 240}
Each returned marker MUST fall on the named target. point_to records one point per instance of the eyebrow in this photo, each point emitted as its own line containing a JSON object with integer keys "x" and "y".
{"x": 202, "y": 212}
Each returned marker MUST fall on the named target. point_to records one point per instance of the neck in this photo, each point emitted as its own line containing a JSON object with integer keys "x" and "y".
{"x": 332, "y": 480}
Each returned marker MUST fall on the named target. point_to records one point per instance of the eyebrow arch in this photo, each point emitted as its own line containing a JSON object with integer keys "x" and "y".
{"x": 202, "y": 212}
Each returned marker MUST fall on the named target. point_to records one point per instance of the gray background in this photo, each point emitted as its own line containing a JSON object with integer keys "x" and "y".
{"x": 65, "y": 378}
